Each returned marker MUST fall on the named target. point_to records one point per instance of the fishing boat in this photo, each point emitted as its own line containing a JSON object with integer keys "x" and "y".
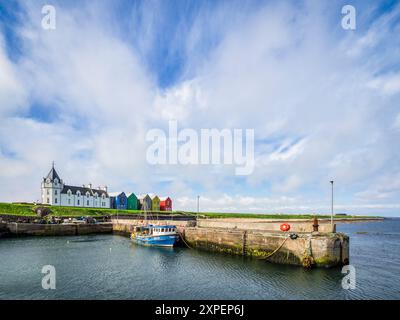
{"x": 155, "y": 235}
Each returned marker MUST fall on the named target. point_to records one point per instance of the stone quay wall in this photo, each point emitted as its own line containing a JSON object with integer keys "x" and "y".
{"x": 312, "y": 249}
{"x": 35, "y": 229}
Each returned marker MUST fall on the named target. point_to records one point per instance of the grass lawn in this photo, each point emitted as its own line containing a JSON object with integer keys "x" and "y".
{"x": 28, "y": 210}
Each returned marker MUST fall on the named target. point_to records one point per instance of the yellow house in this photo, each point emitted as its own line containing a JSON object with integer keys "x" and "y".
{"x": 155, "y": 202}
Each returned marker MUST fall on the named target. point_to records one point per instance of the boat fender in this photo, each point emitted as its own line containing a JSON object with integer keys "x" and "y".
{"x": 285, "y": 227}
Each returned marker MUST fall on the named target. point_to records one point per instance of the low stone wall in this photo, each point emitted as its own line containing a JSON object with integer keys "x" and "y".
{"x": 32, "y": 229}
{"x": 308, "y": 249}
{"x": 125, "y": 226}
{"x": 296, "y": 225}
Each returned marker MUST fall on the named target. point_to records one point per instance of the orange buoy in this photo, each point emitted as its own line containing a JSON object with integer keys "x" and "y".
{"x": 285, "y": 227}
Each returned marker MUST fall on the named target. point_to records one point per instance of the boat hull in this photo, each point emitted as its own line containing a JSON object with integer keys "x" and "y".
{"x": 157, "y": 240}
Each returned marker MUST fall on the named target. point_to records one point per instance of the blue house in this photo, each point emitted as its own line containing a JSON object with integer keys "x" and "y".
{"x": 119, "y": 200}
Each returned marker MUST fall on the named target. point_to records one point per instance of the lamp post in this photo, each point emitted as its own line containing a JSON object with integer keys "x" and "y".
{"x": 198, "y": 206}
{"x": 332, "y": 204}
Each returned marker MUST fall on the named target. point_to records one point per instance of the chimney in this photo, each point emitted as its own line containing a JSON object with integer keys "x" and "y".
{"x": 90, "y": 186}
{"x": 83, "y": 186}
{"x": 105, "y": 188}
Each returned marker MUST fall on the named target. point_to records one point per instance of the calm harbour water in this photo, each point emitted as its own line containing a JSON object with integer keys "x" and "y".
{"x": 111, "y": 267}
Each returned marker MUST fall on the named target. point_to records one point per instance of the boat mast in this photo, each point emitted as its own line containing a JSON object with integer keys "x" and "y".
{"x": 145, "y": 212}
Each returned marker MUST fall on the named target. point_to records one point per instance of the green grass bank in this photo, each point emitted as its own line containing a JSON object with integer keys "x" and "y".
{"x": 27, "y": 210}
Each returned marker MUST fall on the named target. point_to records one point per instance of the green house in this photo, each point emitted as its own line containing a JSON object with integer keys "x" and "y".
{"x": 132, "y": 202}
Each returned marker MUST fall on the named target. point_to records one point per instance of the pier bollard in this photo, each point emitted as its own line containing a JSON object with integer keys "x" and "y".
{"x": 315, "y": 225}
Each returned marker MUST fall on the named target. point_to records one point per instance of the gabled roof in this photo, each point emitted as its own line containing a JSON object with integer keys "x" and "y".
{"x": 116, "y": 194}
{"x": 52, "y": 175}
{"x": 132, "y": 194}
{"x": 83, "y": 190}
{"x": 152, "y": 196}
{"x": 142, "y": 196}
{"x": 164, "y": 198}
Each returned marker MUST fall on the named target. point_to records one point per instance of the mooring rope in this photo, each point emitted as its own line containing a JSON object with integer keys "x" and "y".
{"x": 183, "y": 239}
{"x": 277, "y": 249}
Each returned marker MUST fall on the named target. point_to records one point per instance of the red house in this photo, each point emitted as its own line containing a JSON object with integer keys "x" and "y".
{"x": 165, "y": 204}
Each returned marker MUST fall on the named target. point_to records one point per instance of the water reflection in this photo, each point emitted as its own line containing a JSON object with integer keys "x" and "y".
{"x": 112, "y": 267}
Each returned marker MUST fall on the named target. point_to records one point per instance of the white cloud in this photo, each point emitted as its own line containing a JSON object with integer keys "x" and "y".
{"x": 237, "y": 203}
{"x": 388, "y": 85}
{"x": 278, "y": 69}
{"x": 13, "y": 96}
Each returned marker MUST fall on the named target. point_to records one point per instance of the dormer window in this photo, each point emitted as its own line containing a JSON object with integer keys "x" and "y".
{"x": 69, "y": 193}
{"x": 87, "y": 194}
{"x": 55, "y": 180}
{"x": 78, "y": 193}
{"x": 103, "y": 196}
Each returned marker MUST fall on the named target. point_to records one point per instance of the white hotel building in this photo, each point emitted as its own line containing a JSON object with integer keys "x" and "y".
{"x": 56, "y": 193}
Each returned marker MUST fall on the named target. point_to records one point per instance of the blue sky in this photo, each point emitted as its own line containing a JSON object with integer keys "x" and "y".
{"x": 323, "y": 101}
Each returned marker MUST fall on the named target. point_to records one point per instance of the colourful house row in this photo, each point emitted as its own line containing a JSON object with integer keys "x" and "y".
{"x": 119, "y": 200}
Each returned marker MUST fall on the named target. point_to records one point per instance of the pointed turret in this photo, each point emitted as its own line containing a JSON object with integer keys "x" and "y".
{"x": 52, "y": 174}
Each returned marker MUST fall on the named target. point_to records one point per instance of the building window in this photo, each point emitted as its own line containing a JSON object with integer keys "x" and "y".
{"x": 55, "y": 200}
{"x": 55, "y": 192}
{"x": 78, "y": 202}
{"x": 48, "y": 200}
{"x": 87, "y": 202}
{"x": 69, "y": 201}
{"x": 47, "y": 191}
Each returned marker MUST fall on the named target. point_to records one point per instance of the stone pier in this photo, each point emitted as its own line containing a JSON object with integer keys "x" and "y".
{"x": 305, "y": 249}
{"x": 260, "y": 239}
{"x": 35, "y": 229}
